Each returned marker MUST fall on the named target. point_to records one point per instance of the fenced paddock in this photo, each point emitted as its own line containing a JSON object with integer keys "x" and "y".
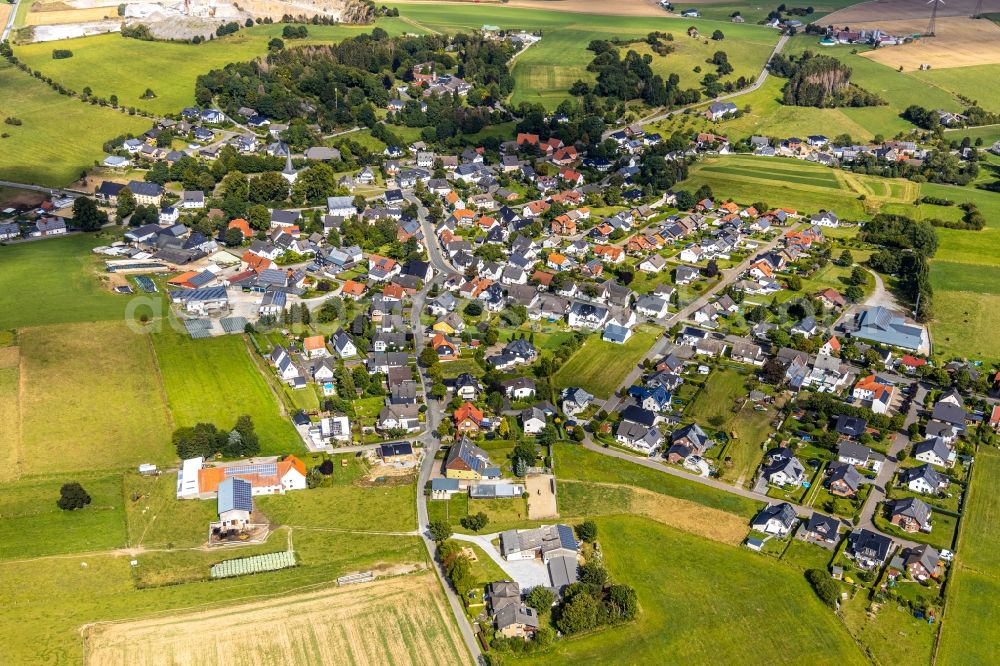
{"x": 254, "y": 564}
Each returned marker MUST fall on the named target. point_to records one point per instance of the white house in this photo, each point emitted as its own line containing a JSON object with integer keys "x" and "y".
{"x": 341, "y": 206}
{"x": 532, "y": 420}
{"x": 777, "y": 519}
{"x": 343, "y": 344}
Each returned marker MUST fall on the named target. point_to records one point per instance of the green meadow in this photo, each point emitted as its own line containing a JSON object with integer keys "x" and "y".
{"x": 59, "y": 136}
{"x": 215, "y": 380}
{"x": 58, "y": 278}
{"x": 546, "y": 70}
{"x": 599, "y": 367}
{"x": 113, "y": 65}
{"x": 968, "y": 632}
{"x": 703, "y": 602}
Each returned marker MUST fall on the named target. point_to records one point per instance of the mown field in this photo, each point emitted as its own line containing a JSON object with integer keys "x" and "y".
{"x": 54, "y": 282}
{"x": 90, "y": 399}
{"x": 59, "y": 136}
{"x": 215, "y": 381}
{"x": 968, "y": 630}
{"x": 404, "y": 620}
{"x": 577, "y": 463}
{"x": 599, "y": 367}
{"x": 703, "y": 602}
{"x": 545, "y": 71}
{"x": 168, "y": 68}
{"x": 805, "y": 186}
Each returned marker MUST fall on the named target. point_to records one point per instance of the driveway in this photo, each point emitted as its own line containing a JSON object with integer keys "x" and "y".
{"x": 526, "y": 573}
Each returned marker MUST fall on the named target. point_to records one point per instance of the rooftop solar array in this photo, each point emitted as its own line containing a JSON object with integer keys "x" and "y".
{"x": 254, "y": 564}
{"x": 146, "y": 284}
{"x": 264, "y": 469}
{"x": 233, "y": 324}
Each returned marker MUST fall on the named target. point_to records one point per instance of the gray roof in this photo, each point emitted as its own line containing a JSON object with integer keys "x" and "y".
{"x": 563, "y": 571}
{"x": 783, "y": 513}
{"x": 912, "y": 507}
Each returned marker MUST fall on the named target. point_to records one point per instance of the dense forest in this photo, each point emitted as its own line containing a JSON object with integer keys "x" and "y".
{"x": 908, "y": 246}
{"x": 820, "y": 81}
{"x": 632, "y": 77}
{"x": 342, "y": 84}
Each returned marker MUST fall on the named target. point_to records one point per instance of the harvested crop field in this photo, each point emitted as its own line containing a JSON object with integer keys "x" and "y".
{"x": 583, "y": 498}
{"x": 402, "y": 620}
{"x": 877, "y": 13}
{"x": 960, "y": 42}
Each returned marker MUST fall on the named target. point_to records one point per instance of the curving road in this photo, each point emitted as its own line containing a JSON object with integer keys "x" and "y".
{"x": 758, "y": 82}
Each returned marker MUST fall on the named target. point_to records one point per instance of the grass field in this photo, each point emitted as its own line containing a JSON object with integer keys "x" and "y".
{"x": 60, "y": 136}
{"x": 599, "y": 367}
{"x": 971, "y": 617}
{"x": 577, "y": 463}
{"x": 215, "y": 381}
{"x": 90, "y": 399}
{"x": 169, "y": 68}
{"x": 705, "y": 603}
{"x": 805, "y": 186}
{"x": 713, "y": 409}
{"x": 10, "y": 424}
{"x": 46, "y": 601}
{"x": 31, "y": 525}
{"x": 403, "y": 620}
{"x": 545, "y": 71}
{"x": 589, "y": 499}
{"x": 344, "y": 505}
{"x": 63, "y": 287}
{"x": 157, "y": 519}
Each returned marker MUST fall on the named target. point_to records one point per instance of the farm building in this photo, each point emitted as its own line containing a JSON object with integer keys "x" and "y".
{"x": 195, "y": 481}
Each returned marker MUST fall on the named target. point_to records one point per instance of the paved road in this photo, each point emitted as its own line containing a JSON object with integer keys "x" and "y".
{"x": 888, "y": 469}
{"x": 429, "y": 439}
{"x": 729, "y": 276}
{"x": 10, "y": 21}
{"x": 761, "y": 78}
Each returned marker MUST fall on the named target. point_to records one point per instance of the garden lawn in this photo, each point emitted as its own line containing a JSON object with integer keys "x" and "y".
{"x": 600, "y": 367}
{"x": 31, "y": 525}
{"x": 60, "y": 136}
{"x": 54, "y": 281}
{"x": 345, "y": 501}
{"x": 726, "y": 594}
{"x": 572, "y": 461}
{"x": 214, "y": 380}
{"x": 90, "y": 399}
{"x": 170, "y": 69}
{"x": 713, "y": 408}
{"x": 893, "y": 634}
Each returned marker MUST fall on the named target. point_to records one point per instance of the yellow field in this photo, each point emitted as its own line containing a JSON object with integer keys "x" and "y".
{"x": 60, "y": 16}
{"x": 877, "y": 12}
{"x": 959, "y": 42}
{"x": 402, "y": 620}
